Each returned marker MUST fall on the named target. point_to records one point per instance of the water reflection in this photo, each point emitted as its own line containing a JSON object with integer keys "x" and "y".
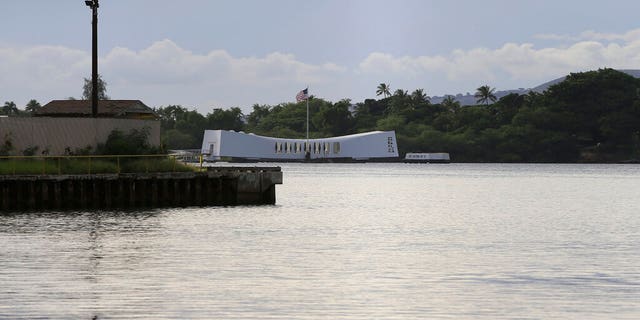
{"x": 68, "y": 255}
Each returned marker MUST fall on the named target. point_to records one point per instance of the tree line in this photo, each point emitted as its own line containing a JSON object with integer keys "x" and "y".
{"x": 590, "y": 117}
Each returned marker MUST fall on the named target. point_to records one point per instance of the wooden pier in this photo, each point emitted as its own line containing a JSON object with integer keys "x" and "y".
{"x": 218, "y": 186}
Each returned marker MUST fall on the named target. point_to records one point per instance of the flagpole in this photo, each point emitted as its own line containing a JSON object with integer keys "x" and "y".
{"x": 307, "y": 120}
{"x": 308, "y": 151}
{"x": 305, "y": 94}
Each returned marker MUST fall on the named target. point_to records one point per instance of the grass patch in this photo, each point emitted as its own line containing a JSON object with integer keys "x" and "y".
{"x": 154, "y": 165}
{"x": 19, "y": 166}
{"x": 86, "y": 165}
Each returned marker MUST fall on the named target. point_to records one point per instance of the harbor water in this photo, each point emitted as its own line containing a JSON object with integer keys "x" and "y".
{"x": 347, "y": 241}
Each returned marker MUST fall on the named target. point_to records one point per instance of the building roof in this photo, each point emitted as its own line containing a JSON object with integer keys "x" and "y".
{"x": 106, "y": 108}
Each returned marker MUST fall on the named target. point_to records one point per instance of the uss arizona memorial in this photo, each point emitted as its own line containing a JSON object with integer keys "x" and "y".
{"x": 368, "y": 146}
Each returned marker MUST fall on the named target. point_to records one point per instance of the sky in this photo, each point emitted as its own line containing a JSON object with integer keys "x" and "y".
{"x": 206, "y": 54}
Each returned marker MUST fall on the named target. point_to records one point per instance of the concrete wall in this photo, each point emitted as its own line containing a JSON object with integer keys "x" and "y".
{"x": 57, "y": 134}
{"x": 218, "y": 186}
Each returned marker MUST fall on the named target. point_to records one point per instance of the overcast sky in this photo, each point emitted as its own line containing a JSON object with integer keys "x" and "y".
{"x": 206, "y": 54}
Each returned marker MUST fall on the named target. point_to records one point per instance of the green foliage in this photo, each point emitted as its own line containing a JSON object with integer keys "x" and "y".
{"x": 191, "y": 123}
{"x": 419, "y": 96}
{"x": 169, "y": 115}
{"x": 30, "y": 151}
{"x": 384, "y": 90}
{"x": 154, "y": 165}
{"x": 485, "y": 94}
{"x": 184, "y": 129}
{"x": 133, "y": 143}
{"x": 591, "y": 116}
{"x": 87, "y": 89}
{"x": 230, "y": 119}
{"x": 6, "y": 145}
{"x": 334, "y": 119}
{"x": 9, "y": 108}
{"x": 400, "y": 103}
{"x": 290, "y": 119}
{"x": 391, "y": 122}
{"x": 602, "y": 108}
{"x": 87, "y": 165}
{"x": 88, "y": 150}
{"x": 174, "y": 139}
{"x": 12, "y": 166}
{"x": 32, "y": 106}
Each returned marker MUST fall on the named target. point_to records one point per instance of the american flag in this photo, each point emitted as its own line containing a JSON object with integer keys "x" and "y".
{"x": 302, "y": 95}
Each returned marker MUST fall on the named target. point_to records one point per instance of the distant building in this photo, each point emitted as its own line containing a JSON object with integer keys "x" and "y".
{"x": 230, "y": 145}
{"x": 123, "y": 109}
{"x": 63, "y": 125}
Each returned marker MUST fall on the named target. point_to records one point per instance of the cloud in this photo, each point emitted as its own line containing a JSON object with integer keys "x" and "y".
{"x": 383, "y": 63}
{"x": 590, "y": 35}
{"x": 513, "y": 61}
{"x": 165, "y": 62}
{"x": 630, "y": 36}
{"x": 41, "y": 72}
{"x": 166, "y": 73}
{"x": 49, "y": 65}
{"x": 163, "y": 73}
{"x": 555, "y": 37}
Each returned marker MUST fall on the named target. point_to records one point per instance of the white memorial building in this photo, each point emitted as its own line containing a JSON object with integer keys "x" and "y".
{"x": 226, "y": 145}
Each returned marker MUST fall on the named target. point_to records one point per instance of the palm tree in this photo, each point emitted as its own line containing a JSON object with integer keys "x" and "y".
{"x": 418, "y": 96}
{"x": 450, "y": 103}
{"x": 485, "y": 94}
{"x": 384, "y": 90}
{"x": 9, "y": 108}
{"x": 32, "y": 106}
{"x": 401, "y": 93}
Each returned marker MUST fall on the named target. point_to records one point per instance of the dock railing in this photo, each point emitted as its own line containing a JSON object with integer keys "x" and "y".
{"x": 94, "y": 164}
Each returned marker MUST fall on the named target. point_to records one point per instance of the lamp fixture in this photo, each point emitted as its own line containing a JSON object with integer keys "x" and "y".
{"x": 92, "y": 3}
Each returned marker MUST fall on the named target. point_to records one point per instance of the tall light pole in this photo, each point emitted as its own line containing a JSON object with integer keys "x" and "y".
{"x": 93, "y": 4}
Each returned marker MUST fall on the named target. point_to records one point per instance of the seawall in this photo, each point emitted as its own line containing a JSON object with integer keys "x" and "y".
{"x": 217, "y": 186}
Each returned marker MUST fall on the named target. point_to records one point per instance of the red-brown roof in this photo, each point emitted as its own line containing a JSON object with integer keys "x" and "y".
{"x": 106, "y": 108}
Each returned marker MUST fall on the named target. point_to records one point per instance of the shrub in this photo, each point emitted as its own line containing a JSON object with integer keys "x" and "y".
{"x": 30, "y": 151}
{"x": 134, "y": 142}
{"x": 6, "y": 146}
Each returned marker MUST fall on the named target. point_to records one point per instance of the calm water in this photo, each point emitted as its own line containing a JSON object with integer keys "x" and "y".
{"x": 352, "y": 241}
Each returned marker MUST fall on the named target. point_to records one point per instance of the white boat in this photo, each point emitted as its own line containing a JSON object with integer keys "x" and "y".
{"x": 440, "y": 157}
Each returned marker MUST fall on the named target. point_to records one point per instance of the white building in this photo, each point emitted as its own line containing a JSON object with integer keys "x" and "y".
{"x": 230, "y": 145}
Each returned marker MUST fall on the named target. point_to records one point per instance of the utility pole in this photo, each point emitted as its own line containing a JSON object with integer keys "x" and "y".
{"x": 93, "y": 4}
